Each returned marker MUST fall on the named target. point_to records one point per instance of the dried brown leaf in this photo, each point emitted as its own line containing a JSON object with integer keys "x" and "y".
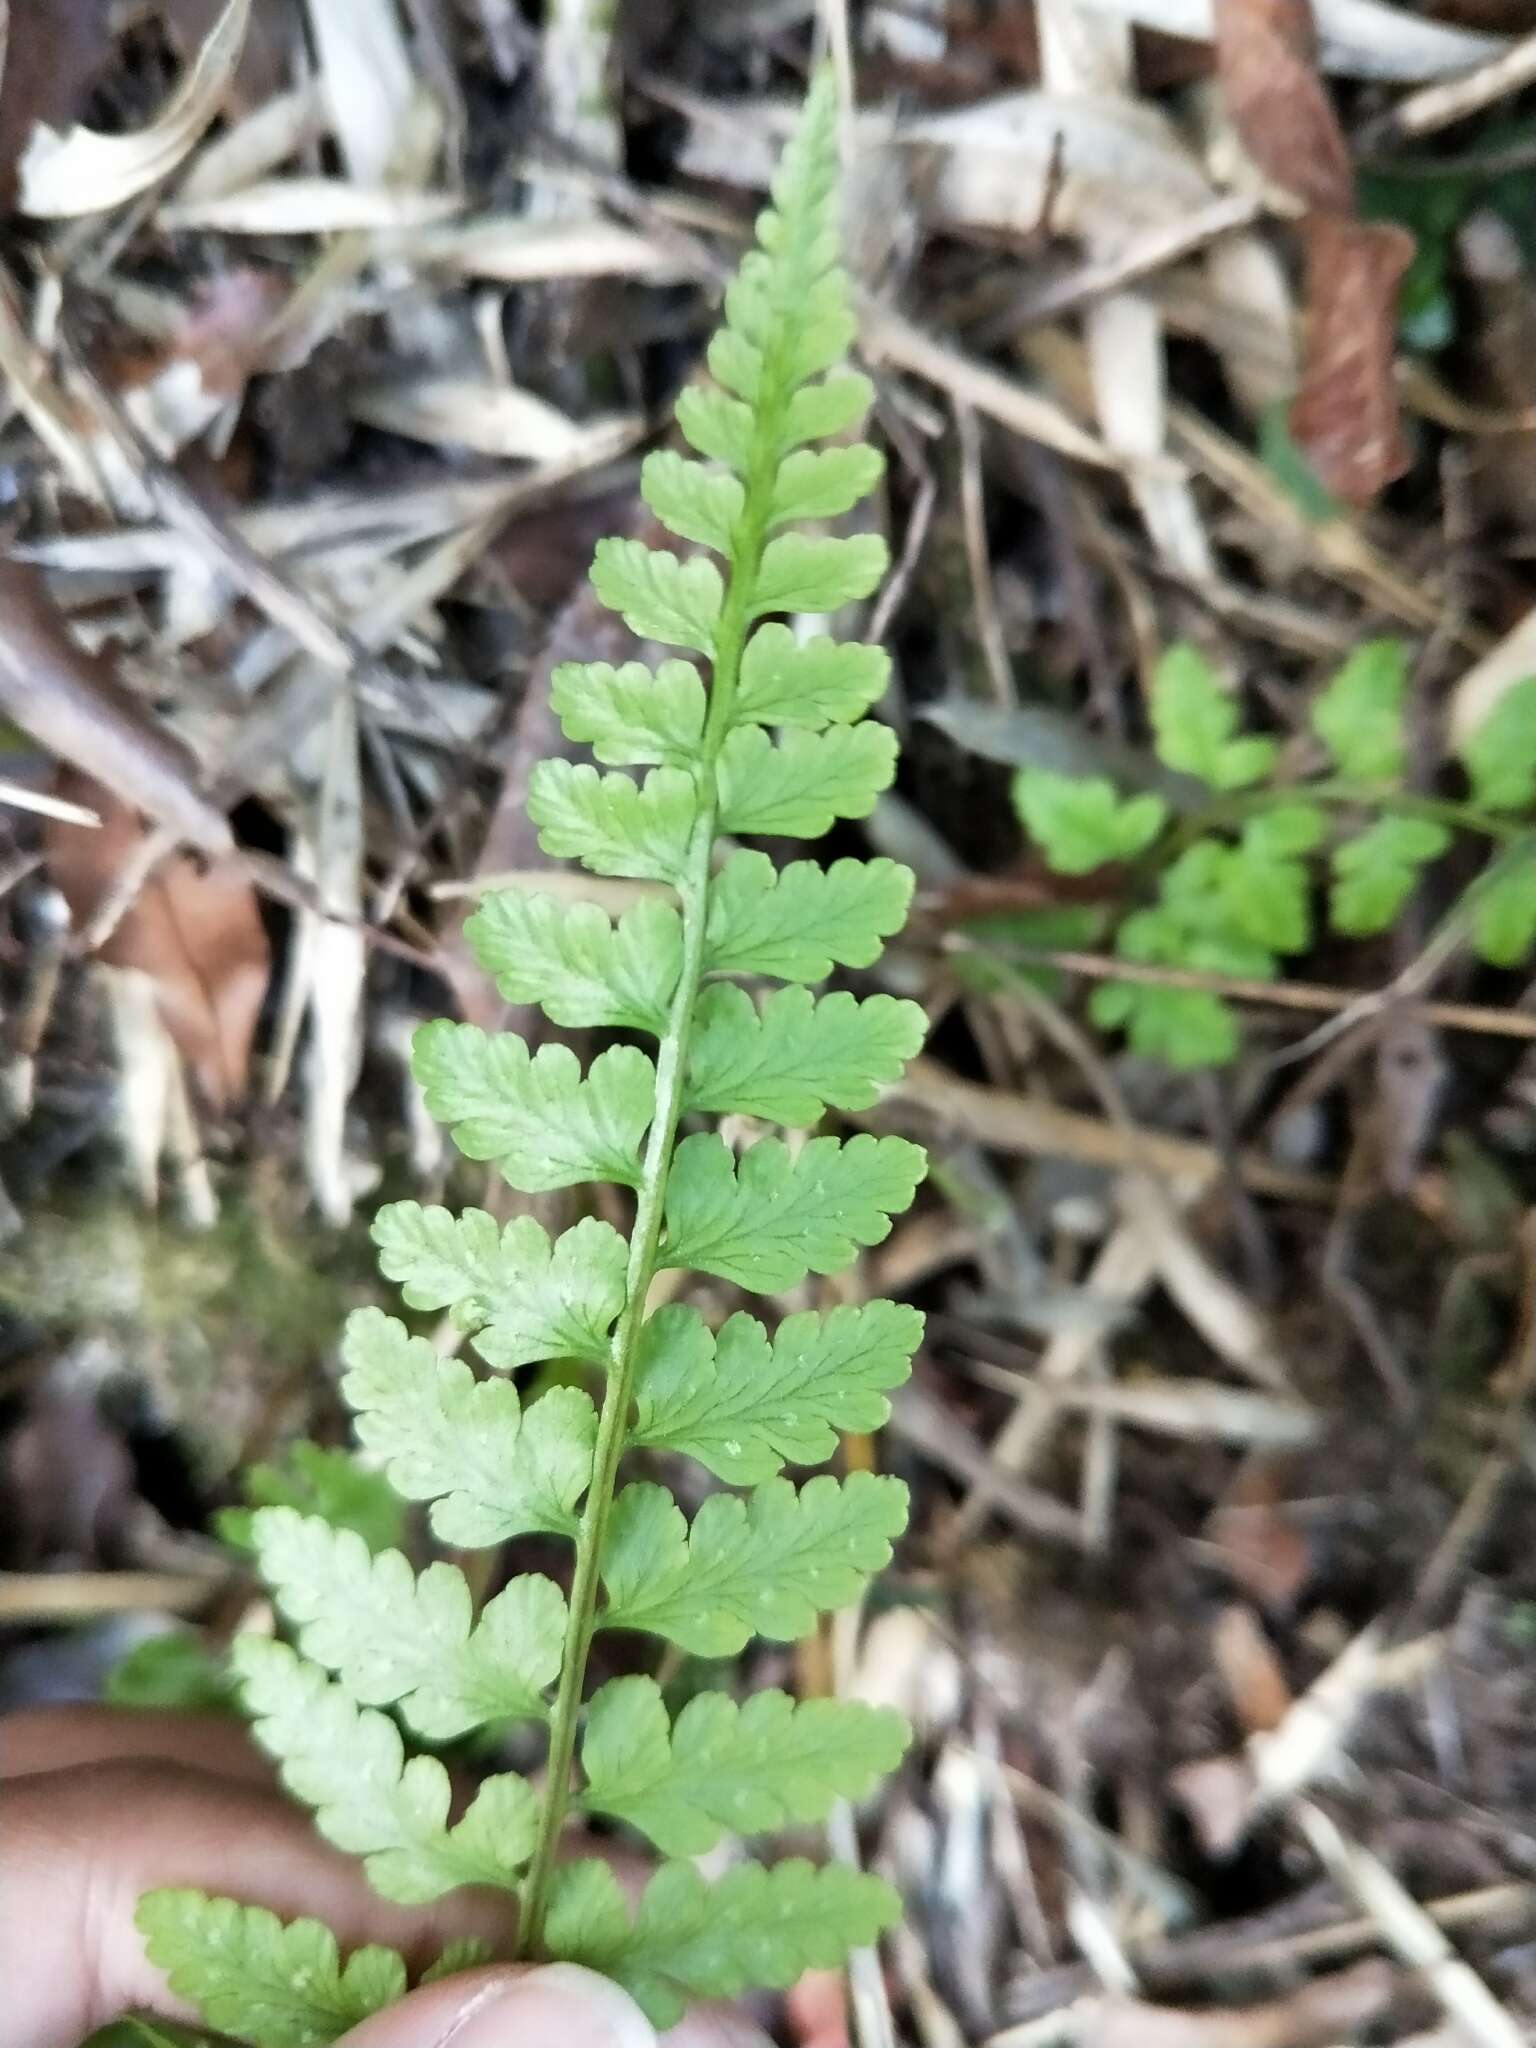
{"x": 72, "y": 703}
{"x": 51, "y": 61}
{"x": 1250, "y": 1670}
{"x": 194, "y": 928}
{"x": 1266, "y": 60}
{"x": 1345, "y": 417}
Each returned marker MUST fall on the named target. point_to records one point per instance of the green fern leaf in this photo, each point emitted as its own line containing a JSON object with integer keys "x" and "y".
{"x": 763, "y": 1566}
{"x": 348, "y": 1763}
{"x": 1359, "y": 716}
{"x": 830, "y": 407}
{"x": 1504, "y": 914}
{"x": 796, "y": 1057}
{"x": 723, "y": 1769}
{"x": 521, "y": 1297}
{"x": 717, "y": 426}
{"x": 544, "y": 1125}
{"x": 799, "y": 787}
{"x": 612, "y": 824}
{"x": 633, "y": 715}
{"x": 1194, "y": 722}
{"x": 1081, "y": 822}
{"x": 693, "y": 502}
{"x": 255, "y": 1978}
{"x": 812, "y": 573}
{"x": 690, "y": 1939}
{"x": 745, "y": 1408}
{"x": 584, "y": 969}
{"x": 776, "y": 1215}
{"x": 736, "y": 363}
{"x": 1377, "y": 871}
{"x": 395, "y": 1639}
{"x": 659, "y": 595}
{"x": 816, "y": 682}
{"x": 491, "y": 1470}
{"x": 824, "y": 484}
{"x": 800, "y": 922}
{"x": 1500, "y": 754}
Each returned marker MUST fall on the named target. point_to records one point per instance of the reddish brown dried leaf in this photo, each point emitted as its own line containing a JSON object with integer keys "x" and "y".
{"x": 193, "y": 928}
{"x": 1345, "y": 416}
{"x": 72, "y": 703}
{"x": 1266, "y": 59}
{"x": 1250, "y": 1670}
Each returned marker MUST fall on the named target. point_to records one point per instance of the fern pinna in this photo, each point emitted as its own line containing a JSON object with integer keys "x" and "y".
{"x": 371, "y": 1633}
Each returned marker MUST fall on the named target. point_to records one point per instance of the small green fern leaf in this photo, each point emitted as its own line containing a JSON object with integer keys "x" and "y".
{"x": 798, "y": 923}
{"x": 612, "y": 824}
{"x": 767, "y": 1220}
{"x": 723, "y": 1769}
{"x": 763, "y": 1566}
{"x": 393, "y": 1638}
{"x": 632, "y": 716}
{"x": 261, "y": 1980}
{"x": 795, "y": 1056}
{"x": 746, "y": 1407}
{"x": 812, "y": 683}
{"x": 800, "y": 787}
{"x": 583, "y": 968}
{"x": 690, "y": 1939}
{"x": 348, "y": 1763}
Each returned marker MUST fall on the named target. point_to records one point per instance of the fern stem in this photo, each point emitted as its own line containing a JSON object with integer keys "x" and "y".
{"x": 671, "y": 1064}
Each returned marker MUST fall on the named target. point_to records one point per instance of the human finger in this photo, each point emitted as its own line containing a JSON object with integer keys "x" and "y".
{"x": 82, "y": 1846}
{"x": 61, "y": 1738}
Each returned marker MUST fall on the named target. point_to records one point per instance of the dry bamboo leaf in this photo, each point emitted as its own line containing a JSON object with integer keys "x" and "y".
{"x": 487, "y": 417}
{"x": 193, "y": 929}
{"x": 1100, "y": 168}
{"x": 511, "y": 250}
{"x": 1486, "y": 683}
{"x": 1267, "y": 63}
{"x": 365, "y": 71}
{"x": 1345, "y": 417}
{"x": 1356, "y": 38}
{"x": 309, "y": 206}
{"x": 249, "y": 149}
{"x": 83, "y": 171}
{"x": 72, "y": 703}
{"x": 1324, "y": 2010}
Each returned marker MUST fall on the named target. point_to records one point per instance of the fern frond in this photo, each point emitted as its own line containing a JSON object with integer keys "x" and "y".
{"x": 764, "y": 733}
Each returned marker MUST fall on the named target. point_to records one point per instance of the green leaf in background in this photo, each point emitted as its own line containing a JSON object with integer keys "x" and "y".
{"x": 317, "y": 1480}
{"x": 1500, "y": 755}
{"x": 1359, "y": 716}
{"x": 1504, "y": 914}
{"x": 1184, "y": 1027}
{"x": 174, "y": 1672}
{"x": 1290, "y": 468}
{"x": 1081, "y": 822}
{"x": 1195, "y": 724}
{"x": 1376, "y": 872}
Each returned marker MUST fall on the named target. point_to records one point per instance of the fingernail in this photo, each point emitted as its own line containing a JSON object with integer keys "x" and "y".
{"x": 557, "y": 2006}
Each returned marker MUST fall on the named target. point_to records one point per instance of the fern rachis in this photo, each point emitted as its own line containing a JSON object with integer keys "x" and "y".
{"x": 372, "y": 1638}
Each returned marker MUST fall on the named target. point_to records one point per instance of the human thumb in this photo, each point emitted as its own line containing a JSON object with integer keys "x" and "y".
{"x": 556, "y": 2006}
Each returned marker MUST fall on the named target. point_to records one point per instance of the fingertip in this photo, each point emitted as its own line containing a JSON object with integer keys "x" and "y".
{"x": 556, "y": 2005}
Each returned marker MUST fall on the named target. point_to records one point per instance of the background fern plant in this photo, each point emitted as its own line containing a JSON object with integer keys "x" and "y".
{"x": 375, "y": 1640}
{"x": 1233, "y": 863}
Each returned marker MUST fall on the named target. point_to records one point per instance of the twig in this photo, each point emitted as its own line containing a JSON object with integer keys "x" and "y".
{"x": 1484, "y": 1018}
{"x": 1017, "y": 1123}
{"x": 973, "y": 526}
{"x": 1408, "y": 1931}
{"x": 1436, "y": 106}
{"x": 27, "y": 1597}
